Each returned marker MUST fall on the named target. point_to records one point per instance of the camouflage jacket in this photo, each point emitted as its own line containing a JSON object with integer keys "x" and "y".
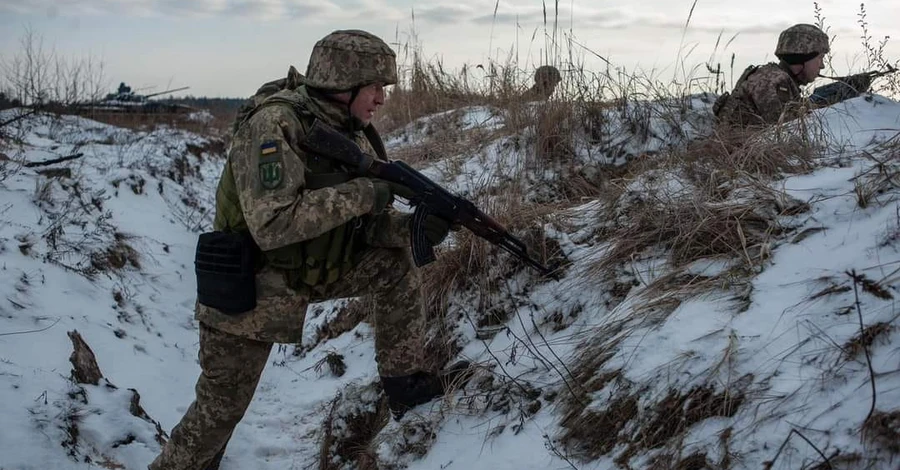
{"x": 763, "y": 95}
{"x": 268, "y": 170}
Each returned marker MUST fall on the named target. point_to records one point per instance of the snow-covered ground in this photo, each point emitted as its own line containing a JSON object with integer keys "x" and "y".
{"x": 106, "y": 248}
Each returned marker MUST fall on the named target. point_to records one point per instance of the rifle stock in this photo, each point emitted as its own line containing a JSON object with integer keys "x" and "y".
{"x": 430, "y": 198}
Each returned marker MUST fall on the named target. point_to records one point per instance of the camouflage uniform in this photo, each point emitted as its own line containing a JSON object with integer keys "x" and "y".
{"x": 767, "y": 94}
{"x": 760, "y": 97}
{"x": 266, "y": 186}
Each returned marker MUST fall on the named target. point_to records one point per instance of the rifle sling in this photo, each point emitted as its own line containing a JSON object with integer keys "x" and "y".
{"x": 329, "y": 143}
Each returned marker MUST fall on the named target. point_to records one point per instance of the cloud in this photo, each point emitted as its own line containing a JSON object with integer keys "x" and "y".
{"x": 444, "y": 14}
{"x": 756, "y": 18}
{"x": 525, "y": 17}
{"x": 259, "y": 9}
{"x": 620, "y": 18}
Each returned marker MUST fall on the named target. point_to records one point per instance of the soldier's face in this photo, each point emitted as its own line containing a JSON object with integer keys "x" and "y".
{"x": 367, "y": 102}
{"x": 811, "y": 68}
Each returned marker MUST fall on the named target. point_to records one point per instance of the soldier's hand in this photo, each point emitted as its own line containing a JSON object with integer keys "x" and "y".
{"x": 436, "y": 229}
{"x": 384, "y": 196}
{"x": 401, "y": 190}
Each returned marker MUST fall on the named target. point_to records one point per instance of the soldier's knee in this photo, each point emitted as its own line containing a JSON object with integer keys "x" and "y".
{"x": 398, "y": 261}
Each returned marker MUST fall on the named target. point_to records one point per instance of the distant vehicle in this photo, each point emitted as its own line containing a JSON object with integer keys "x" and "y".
{"x": 125, "y": 100}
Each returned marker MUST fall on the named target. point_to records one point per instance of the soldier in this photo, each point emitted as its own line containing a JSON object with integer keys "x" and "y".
{"x": 322, "y": 234}
{"x": 766, "y": 94}
{"x": 546, "y": 77}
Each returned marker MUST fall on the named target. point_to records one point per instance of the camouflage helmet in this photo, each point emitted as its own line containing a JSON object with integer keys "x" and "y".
{"x": 802, "y": 40}
{"x": 348, "y": 59}
{"x": 547, "y": 74}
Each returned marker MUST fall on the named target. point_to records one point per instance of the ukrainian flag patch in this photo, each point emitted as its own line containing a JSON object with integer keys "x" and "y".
{"x": 268, "y": 148}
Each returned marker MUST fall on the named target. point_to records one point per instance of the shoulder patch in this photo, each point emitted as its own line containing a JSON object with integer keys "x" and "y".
{"x": 268, "y": 147}
{"x": 270, "y": 165}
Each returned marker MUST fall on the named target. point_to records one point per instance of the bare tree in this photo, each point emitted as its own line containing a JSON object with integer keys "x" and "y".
{"x": 37, "y": 79}
{"x": 38, "y": 76}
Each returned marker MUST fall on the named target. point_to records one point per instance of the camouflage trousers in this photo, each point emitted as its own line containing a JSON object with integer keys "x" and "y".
{"x": 232, "y": 365}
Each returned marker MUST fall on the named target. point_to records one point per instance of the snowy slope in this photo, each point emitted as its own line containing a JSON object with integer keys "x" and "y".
{"x": 780, "y": 352}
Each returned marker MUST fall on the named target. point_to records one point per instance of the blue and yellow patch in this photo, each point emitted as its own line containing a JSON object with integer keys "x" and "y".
{"x": 268, "y": 148}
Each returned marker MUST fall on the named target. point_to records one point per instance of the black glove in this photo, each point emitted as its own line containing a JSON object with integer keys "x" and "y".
{"x": 436, "y": 229}
{"x": 384, "y": 196}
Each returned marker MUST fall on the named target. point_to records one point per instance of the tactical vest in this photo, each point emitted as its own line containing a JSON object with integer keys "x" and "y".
{"x": 723, "y": 100}
{"x": 318, "y": 261}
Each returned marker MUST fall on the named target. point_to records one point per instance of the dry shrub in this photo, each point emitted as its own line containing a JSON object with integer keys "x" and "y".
{"x": 696, "y": 461}
{"x": 554, "y": 128}
{"x": 724, "y": 207}
{"x": 667, "y": 421}
{"x": 219, "y": 126}
{"x": 470, "y": 263}
{"x": 116, "y": 257}
{"x": 690, "y": 230}
{"x": 594, "y": 432}
{"x": 334, "y": 361}
{"x": 444, "y": 138}
{"x": 851, "y": 461}
{"x": 354, "y": 431}
{"x": 349, "y": 430}
{"x": 879, "y": 184}
{"x": 591, "y": 432}
{"x": 883, "y": 430}
{"x": 678, "y": 411}
{"x": 762, "y": 154}
{"x": 425, "y": 88}
{"x": 864, "y": 340}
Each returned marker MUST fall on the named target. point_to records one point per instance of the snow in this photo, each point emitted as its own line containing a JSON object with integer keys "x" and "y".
{"x": 156, "y": 190}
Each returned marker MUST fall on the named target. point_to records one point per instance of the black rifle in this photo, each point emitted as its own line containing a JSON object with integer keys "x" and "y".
{"x": 430, "y": 198}
{"x": 844, "y": 88}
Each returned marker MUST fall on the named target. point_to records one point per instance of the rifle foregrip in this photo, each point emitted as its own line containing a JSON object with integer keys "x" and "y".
{"x": 422, "y": 251}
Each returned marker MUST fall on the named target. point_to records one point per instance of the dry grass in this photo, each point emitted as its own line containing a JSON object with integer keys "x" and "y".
{"x": 679, "y": 410}
{"x": 666, "y": 461}
{"x": 883, "y": 430}
{"x": 693, "y": 229}
{"x": 709, "y": 200}
{"x": 629, "y": 420}
{"x": 591, "y": 433}
{"x": 443, "y": 139}
{"x": 116, "y": 257}
{"x": 218, "y": 127}
{"x": 426, "y": 88}
{"x": 864, "y": 340}
{"x": 347, "y": 438}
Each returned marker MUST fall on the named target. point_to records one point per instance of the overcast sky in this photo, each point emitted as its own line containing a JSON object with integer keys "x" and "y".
{"x": 229, "y": 47}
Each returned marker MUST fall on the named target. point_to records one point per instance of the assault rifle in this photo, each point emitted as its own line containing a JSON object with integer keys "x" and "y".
{"x": 430, "y": 198}
{"x": 844, "y": 88}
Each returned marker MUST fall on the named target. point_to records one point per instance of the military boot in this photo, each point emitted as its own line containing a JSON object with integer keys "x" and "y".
{"x": 406, "y": 392}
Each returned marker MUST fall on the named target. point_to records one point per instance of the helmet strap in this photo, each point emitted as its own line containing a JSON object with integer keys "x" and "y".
{"x": 354, "y": 122}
